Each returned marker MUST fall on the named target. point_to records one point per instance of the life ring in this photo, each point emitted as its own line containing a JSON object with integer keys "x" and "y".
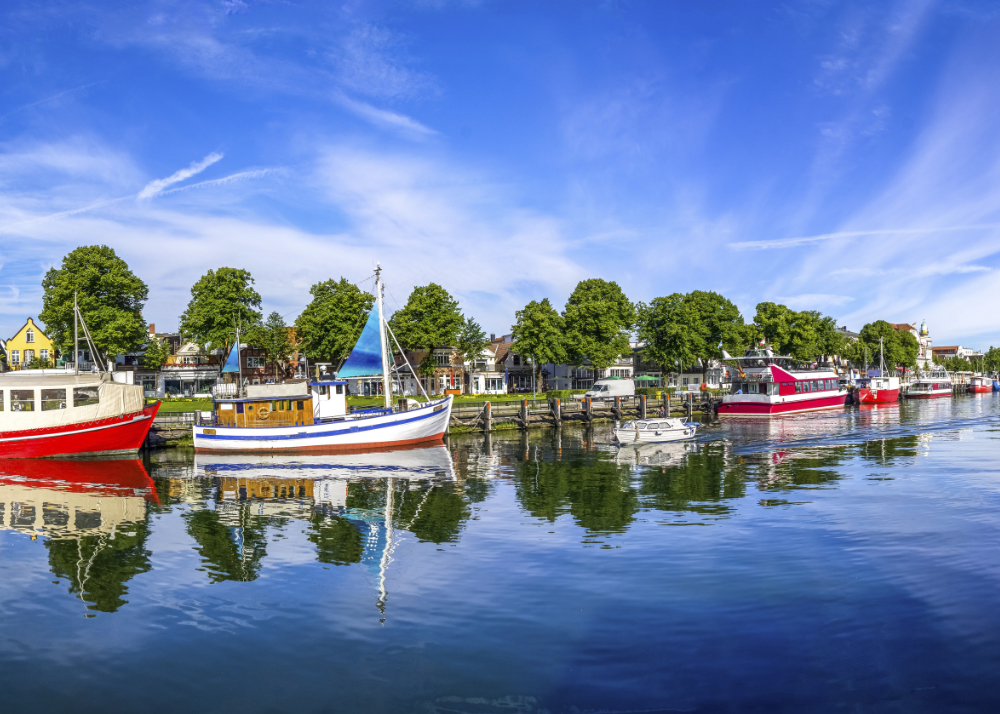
{"x": 263, "y": 413}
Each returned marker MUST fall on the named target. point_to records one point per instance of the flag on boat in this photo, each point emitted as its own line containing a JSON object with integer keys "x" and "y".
{"x": 365, "y": 359}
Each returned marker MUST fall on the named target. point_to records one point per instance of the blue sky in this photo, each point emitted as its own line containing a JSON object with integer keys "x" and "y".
{"x": 843, "y": 157}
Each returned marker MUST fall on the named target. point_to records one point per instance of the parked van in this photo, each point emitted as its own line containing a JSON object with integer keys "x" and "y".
{"x": 605, "y": 389}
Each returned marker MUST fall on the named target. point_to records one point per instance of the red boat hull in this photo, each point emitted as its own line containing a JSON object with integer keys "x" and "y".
{"x": 877, "y": 396}
{"x": 788, "y": 407}
{"x": 980, "y": 389}
{"x": 117, "y": 435}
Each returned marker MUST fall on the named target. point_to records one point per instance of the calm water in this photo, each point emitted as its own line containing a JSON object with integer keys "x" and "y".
{"x": 841, "y": 561}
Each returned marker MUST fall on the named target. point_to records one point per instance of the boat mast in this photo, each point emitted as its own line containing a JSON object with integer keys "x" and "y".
{"x": 386, "y": 383}
{"x": 76, "y": 339}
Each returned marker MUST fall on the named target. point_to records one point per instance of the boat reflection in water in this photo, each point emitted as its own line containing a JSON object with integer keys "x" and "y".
{"x": 91, "y": 515}
{"x": 354, "y": 503}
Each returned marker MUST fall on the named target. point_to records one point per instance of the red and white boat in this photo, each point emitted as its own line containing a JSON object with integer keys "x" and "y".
{"x": 45, "y": 414}
{"x": 931, "y": 385}
{"x": 770, "y": 384}
{"x": 980, "y": 385}
{"x": 882, "y": 389}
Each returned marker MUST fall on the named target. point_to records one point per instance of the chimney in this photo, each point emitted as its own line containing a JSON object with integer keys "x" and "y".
{"x": 152, "y": 328}
{"x": 493, "y": 337}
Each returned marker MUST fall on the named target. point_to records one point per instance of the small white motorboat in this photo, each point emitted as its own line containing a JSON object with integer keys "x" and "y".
{"x": 655, "y": 431}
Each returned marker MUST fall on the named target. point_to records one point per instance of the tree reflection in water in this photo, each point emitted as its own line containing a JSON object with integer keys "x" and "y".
{"x": 94, "y": 517}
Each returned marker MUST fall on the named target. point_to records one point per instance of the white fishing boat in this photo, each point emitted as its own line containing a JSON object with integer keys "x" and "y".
{"x": 303, "y": 417}
{"x": 655, "y": 431}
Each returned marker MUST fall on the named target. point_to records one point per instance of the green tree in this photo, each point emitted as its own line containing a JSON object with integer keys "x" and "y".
{"x": 598, "y": 319}
{"x": 219, "y": 299}
{"x": 667, "y": 327}
{"x": 771, "y": 322}
{"x": 333, "y": 320}
{"x": 901, "y": 347}
{"x": 471, "y": 342}
{"x": 430, "y": 318}
{"x": 718, "y": 322}
{"x": 539, "y": 334}
{"x": 804, "y": 335}
{"x": 991, "y": 360}
{"x": 273, "y": 337}
{"x": 156, "y": 354}
{"x": 110, "y": 297}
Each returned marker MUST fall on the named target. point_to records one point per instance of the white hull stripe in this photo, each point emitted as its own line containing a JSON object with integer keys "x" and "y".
{"x": 312, "y": 430}
{"x": 54, "y": 435}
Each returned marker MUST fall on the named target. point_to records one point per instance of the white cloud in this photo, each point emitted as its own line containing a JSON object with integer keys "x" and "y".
{"x": 196, "y": 167}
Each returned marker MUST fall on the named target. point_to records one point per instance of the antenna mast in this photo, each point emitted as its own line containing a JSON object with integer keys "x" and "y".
{"x": 76, "y": 339}
{"x": 386, "y": 382}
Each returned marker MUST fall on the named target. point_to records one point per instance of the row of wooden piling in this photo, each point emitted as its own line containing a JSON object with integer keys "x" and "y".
{"x": 618, "y": 410}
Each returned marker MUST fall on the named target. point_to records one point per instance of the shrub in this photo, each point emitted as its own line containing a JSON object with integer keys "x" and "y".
{"x": 558, "y": 394}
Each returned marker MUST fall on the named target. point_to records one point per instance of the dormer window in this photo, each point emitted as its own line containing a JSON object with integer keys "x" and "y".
{"x": 29, "y": 335}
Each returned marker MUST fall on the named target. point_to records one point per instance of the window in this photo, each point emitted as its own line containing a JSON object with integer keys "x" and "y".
{"x": 15, "y": 356}
{"x": 29, "y": 336}
{"x": 301, "y": 405}
{"x": 798, "y": 387}
{"x": 442, "y": 360}
{"x": 53, "y": 399}
{"x": 255, "y": 362}
{"x": 44, "y": 354}
{"x": 340, "y": 389}
{"x": 82, "y": 396}
{"x": 28, "y": 356}
{"x": 22, "y": 400}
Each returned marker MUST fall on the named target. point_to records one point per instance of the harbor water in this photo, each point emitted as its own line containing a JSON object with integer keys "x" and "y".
{"x": 839, "y": 561}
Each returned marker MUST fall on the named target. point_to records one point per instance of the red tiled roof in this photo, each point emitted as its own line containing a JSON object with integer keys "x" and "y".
{"x": 902, "y": 326}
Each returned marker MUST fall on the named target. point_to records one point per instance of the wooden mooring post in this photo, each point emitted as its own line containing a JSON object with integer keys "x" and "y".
{"x": 557, "y": 411}
{"x": 524, "y": 413}
{"x": 642, "y": 406}
{"x": 588, "y": 409}
{"x": 488, "y": 417}
{"x": 616, "y": 409}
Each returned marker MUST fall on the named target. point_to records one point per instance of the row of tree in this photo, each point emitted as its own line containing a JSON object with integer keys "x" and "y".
{"x": 595, "y": 325}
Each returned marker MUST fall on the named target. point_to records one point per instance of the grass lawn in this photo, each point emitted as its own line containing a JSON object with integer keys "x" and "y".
{"x": 177, "y": 406}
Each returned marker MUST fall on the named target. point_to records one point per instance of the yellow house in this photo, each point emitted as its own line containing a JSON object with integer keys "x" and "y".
{"x": 29, "y": 342}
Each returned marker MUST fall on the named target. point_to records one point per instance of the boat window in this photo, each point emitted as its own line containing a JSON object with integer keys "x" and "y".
{"x": 798, "y": 387}
{"x": 82, "y": 396}
{"x": 340, "y": 389}
{"x": 239, "y": 408}
{"x": 22, "y": 400}
{"x": 301, "y": 405}
{"x": 640, "y": 426}
{"x": 249, "y": 407}
{"x": 53, "y": 399}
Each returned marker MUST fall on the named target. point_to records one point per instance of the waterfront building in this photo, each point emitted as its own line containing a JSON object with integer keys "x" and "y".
{"x": 27, "y": 344}
{"x": 948, "y": 351}
{"x": 925, "y": 353}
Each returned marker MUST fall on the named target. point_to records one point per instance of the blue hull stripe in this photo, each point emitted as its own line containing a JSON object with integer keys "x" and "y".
{"x": 309, "y": 434}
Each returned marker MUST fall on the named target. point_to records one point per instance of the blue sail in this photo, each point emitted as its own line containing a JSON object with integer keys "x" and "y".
{"x": 365, "y": 359}
{"x": 233, "y": 360}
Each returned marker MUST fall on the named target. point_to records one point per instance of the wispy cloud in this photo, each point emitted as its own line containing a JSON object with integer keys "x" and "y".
{"x": 196, "y": 167}
{"x": 383, "y": 117}
{"x": 54, "y": 97}
{"x": 847, "y": 235}
{"x": 819, "y": 301}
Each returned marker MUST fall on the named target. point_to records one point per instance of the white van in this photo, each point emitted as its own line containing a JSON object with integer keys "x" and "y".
{"x": 607, "y": 389}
